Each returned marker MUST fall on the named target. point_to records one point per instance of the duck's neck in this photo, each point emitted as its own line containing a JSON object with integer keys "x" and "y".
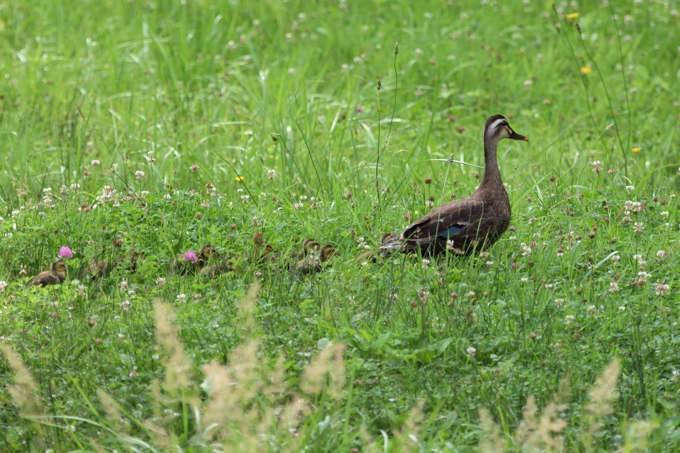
{"x": 492, "y": 175}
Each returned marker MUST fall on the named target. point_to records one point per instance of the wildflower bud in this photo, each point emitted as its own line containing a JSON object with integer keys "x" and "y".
{"x": 379, "y": 85}
{"x": 396, "y": 48}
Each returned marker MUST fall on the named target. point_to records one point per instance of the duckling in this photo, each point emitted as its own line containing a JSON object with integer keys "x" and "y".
{"x": 206, "y": 253}
{"x": 316, "y": 262}
{"x": 386, "y": 237}
{"x": 269, "y": 255}
{"x": 134, "y": 258}
{"x": 309, "y": 245}
{"x": 263, "y": 252}
{"x": 213, "y": 270}
{"x": 55, "y": 275}
{"x": 372, "y": 255}
{"x": 326, "y": 253}
{"x": 473, "y": 222}
{"x": 99, "y": 269}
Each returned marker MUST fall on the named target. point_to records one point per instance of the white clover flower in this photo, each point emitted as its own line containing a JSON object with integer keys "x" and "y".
{"x": 662, "y": 289}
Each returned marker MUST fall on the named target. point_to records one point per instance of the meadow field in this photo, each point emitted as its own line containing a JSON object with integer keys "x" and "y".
{"x": 136, "y": 131}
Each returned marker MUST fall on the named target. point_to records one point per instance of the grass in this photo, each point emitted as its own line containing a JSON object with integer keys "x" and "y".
{"x": 159, "y": 127}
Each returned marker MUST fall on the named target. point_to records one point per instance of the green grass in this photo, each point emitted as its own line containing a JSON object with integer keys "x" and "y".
{"x": 243, "y": 88}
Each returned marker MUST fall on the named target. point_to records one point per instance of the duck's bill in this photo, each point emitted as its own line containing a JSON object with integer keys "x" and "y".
{"x": 516, "y": 136}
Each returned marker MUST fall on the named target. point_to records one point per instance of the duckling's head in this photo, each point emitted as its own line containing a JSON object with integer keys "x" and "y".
{"x": 58, "y": 267}
{"x": 386, "y": 237}
{"x": 497, "y": 128}
{"x": 327, "y": 252}
{"x": 208, "y": 251}
{"x": 310, "y": 244}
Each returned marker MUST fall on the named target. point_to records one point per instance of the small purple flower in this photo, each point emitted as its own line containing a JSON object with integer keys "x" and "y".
{"x": 190, "y": 256}
{"x": 65, "y": 252}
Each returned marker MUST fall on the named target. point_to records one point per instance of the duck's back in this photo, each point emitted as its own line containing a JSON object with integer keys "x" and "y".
{"x": 461, "y": 226}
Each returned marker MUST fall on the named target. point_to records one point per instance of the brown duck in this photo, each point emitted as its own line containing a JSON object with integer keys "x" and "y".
{"x": 55, "y": 275}
{"x": 463, "y": 225}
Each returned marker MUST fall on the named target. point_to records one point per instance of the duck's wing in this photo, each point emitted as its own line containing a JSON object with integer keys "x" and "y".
{"x": 460, "y": 224}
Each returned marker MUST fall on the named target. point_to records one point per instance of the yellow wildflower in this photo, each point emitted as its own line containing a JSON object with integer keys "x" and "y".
{"x": 586, "y": 70}
{"x": 636, "y": 150}
{"x": 572, "y": 16}
{"x": 240, "y": 178}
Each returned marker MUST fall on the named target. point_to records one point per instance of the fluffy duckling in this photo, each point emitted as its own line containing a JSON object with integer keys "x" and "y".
{"x": 372, "y": 255}
{"x": 213, "y": 270}
{"x": 263, "y": 252}
{"x": 309, "y": 245}
{"x": 55, "y": 275}
{"x": 134, "y": 258}
{"x": 206, "y": 253}
{"x": 326, "y": 253}
{"x": 316, "y": 262}
{"x": 99, "y": 269}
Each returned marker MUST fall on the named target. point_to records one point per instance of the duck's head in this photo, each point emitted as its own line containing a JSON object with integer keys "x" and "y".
{"x": 310, "y": 245}
{"x": 497, "y": 127}
{"x": 58, "y": 267}
{"x": 327, "y": 252}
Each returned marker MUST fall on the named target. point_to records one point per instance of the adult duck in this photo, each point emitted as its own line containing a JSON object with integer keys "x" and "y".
{"x": 474, "y": 222}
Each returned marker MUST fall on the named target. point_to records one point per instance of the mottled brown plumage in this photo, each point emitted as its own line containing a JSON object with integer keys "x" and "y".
{"x": 473, "y": 222}
{"x": 55, "y": 275}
